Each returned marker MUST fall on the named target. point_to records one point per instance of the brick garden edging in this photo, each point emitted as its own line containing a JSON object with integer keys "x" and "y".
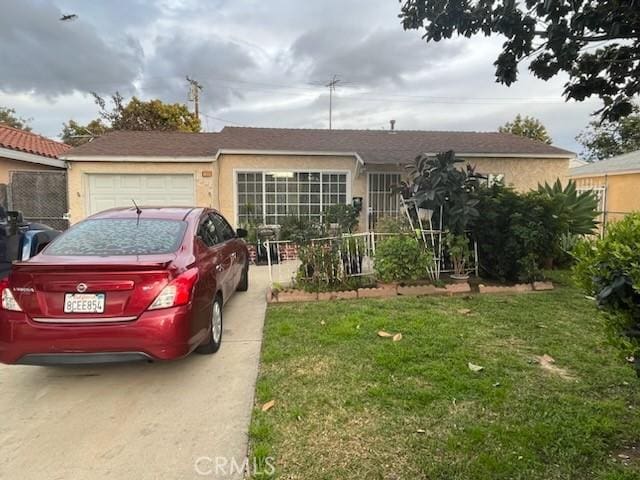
{"x": 389, "y": 291}
{"x": 288, "y": 251}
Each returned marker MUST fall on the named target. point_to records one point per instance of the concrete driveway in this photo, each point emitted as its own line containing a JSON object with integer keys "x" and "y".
{"x": 176, "y": 420}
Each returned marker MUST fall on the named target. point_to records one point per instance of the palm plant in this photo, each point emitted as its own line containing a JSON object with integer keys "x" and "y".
{"x": 575, "y": 212}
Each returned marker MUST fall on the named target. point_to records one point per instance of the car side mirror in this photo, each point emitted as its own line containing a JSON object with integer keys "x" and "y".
{"x": 242, "y": 233}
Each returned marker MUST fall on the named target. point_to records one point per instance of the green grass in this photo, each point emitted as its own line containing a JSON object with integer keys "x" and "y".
{"x": 351, "y": 405}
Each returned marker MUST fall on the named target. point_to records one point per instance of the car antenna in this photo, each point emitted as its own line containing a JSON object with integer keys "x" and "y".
{"x": 138, "y": 212}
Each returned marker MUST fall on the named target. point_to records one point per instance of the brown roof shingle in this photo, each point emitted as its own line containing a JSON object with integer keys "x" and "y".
{"x": 373, "y": 146}
{"x": 151, "y": 144}
{"x": 15, "y": 139}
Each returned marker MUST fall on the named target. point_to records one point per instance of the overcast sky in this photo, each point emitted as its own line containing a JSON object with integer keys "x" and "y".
{"x": 264, "y": 63}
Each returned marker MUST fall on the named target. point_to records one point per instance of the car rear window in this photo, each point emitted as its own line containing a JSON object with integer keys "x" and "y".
{"x": 114, "y": 236}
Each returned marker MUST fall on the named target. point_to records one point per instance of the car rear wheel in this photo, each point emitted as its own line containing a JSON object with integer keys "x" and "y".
{"x": 215, "y": 330}
{"x": 243, "y": 286}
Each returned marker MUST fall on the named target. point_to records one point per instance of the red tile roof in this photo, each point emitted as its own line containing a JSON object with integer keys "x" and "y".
{"x": 373, "y": 146}
{"x": 27, "y": 142}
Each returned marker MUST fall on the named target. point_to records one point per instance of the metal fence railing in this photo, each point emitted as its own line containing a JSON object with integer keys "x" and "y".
{"x": 356, "y": 253}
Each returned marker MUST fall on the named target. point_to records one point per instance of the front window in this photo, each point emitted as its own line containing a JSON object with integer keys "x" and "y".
{"x": 269, "y": 197}
{"x": 119, "y": 236}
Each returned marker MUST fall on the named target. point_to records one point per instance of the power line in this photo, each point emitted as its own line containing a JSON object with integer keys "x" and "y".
{"x": 223, "y": 120}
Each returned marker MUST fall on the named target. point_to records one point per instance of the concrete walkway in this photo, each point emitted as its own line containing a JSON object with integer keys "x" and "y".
{"x": 174, "y": 420}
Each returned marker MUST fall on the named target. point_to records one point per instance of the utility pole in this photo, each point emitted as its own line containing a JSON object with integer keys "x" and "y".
{"x": 332, "y": 87}
{"x": 194, "y": 94}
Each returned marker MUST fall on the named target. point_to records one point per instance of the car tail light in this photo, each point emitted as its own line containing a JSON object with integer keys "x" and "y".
{"x": 8, "y": 300}
{"x": 178, "y": 292}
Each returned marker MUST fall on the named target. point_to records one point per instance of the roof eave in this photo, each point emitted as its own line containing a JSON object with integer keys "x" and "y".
{"x": 31, "y": 158}
{"x": 603, "y": 173}
{"x": 315, "y": 153}
{"x": 139, "y": 158}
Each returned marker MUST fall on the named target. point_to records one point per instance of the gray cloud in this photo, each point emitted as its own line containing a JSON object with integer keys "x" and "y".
{"x": 42, "y": 55}
{"x": 217, "y": 64}
{"x": 256, "y": 60}
{"x": 383, "y": 56}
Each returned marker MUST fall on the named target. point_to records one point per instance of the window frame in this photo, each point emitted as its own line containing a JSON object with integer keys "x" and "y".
{"x": 264, "y": 172}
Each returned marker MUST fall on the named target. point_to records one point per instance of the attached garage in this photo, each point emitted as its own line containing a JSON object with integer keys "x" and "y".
{"x": 118, "y": 190}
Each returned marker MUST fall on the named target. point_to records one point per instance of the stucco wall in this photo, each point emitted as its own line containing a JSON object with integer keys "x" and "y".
{"x": 524, "y": 174}
{"x": 7, "y": 165}
{"x": 621, "y": 195}
{"x": 218, "y": 190}
{"x": 77, "y": 180}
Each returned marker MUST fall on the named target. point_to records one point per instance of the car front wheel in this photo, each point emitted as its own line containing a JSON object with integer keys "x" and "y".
{"x": 214, "y": 339}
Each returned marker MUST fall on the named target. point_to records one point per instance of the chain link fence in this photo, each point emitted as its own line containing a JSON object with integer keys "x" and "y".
{"x": 41, "y": 196}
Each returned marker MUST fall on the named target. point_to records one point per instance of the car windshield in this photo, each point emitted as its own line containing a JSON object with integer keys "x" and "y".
{"x": 119, "y": 236}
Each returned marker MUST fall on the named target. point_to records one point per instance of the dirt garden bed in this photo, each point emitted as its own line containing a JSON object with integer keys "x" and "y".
{"x": 289, "y": 295}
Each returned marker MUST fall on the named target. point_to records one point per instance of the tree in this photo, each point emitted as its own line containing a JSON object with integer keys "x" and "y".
{"x": 607, "y": 139}
{"x": 527, "y": 127}
{"x": 76, "y": 134}
{"x": 135, "y": 115}
{"x": 596, "y": 43}
{"x": 8, "y": 117}
{"x": 149, "y": 115}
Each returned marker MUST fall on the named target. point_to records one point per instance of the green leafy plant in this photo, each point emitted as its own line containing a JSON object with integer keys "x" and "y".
{"x": 575, "y": 212}
{"x": 609, "y": 269}
{"x": 401, "y": 258}
{"x": 389, "y": 224}
{"x": 345, "y": 216}
{"x": 299, "y": 230}
{"x": 458, "y": 249}
{"x": 438, "y": 182}
{"x": 514, "y": 233}
{"x": 320, "y": 267}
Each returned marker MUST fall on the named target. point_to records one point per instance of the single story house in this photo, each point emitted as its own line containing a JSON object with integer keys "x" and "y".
{"x": 269, "y": 173}
{"x": 616, "y": 181}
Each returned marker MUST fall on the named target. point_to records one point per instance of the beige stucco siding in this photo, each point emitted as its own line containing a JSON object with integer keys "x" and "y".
{"x": 78, "y": 181}
{"x": 621, "y": 192}
{"x": 219, "y": 189}
{"x": 524, "y": 174}
{"x": 8, "y": 165}
{"x": 229, "y": 164}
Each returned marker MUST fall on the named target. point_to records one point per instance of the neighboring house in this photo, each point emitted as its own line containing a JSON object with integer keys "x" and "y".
{"x": 270, "y": 173}
{"x": 32, "y": 177}
{"x": 616, "y": 181}
{"x": 20, "y": 151}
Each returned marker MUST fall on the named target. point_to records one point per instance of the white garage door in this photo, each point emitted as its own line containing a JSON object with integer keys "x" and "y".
{"x": 109, "y": 191}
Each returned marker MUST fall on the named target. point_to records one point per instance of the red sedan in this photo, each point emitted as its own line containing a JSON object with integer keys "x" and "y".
{"x": 125, "y": 284}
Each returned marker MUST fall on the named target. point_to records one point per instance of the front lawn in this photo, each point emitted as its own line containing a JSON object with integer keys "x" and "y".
{"x": 352, "y": 405}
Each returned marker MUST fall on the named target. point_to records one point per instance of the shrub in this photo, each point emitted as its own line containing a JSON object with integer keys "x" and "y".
{"x": 514, "y": 233}
{"x": 609, "y": 269}
{"x": 298, "y": 229}
{"x": 345, "y": 216}
{"x": 402, "y": 257}
{"x": 388, "y": 224}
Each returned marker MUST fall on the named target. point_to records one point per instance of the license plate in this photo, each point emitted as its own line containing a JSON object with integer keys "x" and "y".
{"x": 84, "y": 302}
